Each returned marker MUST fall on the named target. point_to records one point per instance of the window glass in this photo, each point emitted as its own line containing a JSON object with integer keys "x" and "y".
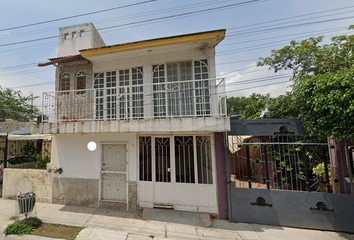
{"x": 205, "y": 168}
{"x": 162, "y": 160}
{"x": 145, "y": 159}
{"x": 184, "y": 159}
{"x": 64, "y": 82}
{"x": 137, "y": 93}
{"x": 159, "y": 96}
{"x": 81, "y": 80}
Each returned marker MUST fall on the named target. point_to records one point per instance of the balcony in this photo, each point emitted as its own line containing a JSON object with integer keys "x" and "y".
{"x": 194, "y": 105}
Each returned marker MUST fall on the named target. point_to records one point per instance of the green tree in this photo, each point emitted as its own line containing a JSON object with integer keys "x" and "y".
{"x": 257, "y": 104}
{"x": 282, "y": 107}
{"x": 236, "y": 105}
{"x": 14, "y": 105}
{"x": 323, "y": 85}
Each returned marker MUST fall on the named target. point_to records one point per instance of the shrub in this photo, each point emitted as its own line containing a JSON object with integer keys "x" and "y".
{"x": 23, "y": 227}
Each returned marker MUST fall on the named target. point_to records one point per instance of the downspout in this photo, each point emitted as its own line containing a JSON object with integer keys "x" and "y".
{"x": 228, "y": 175}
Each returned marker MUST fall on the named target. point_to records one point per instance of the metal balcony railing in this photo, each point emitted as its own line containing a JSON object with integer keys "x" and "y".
{"x": 180, "y": 99}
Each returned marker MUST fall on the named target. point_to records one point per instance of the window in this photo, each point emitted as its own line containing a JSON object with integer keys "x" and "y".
{"x": 121, "y": 94}
{"x": 184, "y": 159}
{"x": 82, "y": 33}
{"x": 74, "y": 35}
{"x": 184, "y": 91}
{"x": 137, "y": 93}
{"x": 64, "y": 82}
{"x": 66, "y": 36}
{"x": 159, "y": 97}
{"x": 180, "y": 96}
{"x": 202, "y": 90}
{"x": 162, "y": 159}
{"x": 111, "y": 94}
{"x": 80, "y": 81}
{"x": 145, "y": 159}
{"x": 99, "y": 85}
{"x": 205, "y": 168}
{"x": 124, "y": 93}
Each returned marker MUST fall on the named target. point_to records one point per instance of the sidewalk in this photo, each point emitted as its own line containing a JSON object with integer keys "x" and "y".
{"x": 110, "y": 224}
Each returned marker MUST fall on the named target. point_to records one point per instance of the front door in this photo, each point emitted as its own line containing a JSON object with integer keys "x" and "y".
{"x": 177, "y": 172}
{"x": 114, "y": 172}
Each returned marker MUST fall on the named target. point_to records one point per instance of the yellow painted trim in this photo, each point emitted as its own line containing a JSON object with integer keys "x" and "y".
{"x": 155, "y": 43}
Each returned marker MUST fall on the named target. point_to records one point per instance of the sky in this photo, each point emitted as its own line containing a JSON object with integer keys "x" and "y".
{"x": 253, "y": 29}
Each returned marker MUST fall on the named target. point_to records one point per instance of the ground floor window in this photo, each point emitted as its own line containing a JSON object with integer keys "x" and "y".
{"x": 180, "y": 159}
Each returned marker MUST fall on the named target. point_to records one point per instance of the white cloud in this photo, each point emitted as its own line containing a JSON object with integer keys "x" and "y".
{"x": 253, "y": 80}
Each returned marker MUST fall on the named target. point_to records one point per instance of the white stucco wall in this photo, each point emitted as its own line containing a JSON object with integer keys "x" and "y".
{"x": 71, "y": 154}
{"x": 179, "y": 53}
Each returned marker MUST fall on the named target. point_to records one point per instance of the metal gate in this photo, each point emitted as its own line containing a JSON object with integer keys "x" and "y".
{"x": 279, "y": 176}
{"x": 3, "y": 158}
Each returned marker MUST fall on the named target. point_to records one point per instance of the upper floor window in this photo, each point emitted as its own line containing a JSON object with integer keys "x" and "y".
{"x": 64, "y": 81}
{"x": 82, "y": 33}
{"x": 66, "y": 36}
{"x": 74, "y": 35}
{"x": 201, "y": 69}
{"x": 181, "y": 89}
{"x": 80, "y": 80}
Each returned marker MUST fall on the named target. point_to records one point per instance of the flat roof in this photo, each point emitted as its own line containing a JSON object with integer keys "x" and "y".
{"x": 216, "y": 35}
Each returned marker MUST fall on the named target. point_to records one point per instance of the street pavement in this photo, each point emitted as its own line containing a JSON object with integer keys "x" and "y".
{"x": 154, "y": 224}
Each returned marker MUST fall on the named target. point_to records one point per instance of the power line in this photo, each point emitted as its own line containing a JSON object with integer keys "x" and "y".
{"x": 181, "y": 14}
{"x": 288, "y": 35}
{"x": 144, "y": 21}
{"x": 126, "y": 16}
{"x": 75, "y": 16}
{"x": 308, "y": 14}
{"x": 259, "y": 31}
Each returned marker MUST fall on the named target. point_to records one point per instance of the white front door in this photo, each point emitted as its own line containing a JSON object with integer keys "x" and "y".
{"x": 178, "y": 172}
{"x": 114, "y": 172}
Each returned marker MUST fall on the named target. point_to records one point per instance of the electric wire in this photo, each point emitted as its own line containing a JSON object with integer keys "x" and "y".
{"x": 75, "y": 16}
{"x": 144, "y": 21}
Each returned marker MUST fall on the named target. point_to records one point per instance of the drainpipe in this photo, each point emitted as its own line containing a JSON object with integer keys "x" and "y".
{"x": 228, "y": 175}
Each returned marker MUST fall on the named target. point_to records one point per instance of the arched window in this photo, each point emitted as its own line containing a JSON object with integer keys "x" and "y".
{"x": 64, "y": 81}
{"x": 202, "y": 88}
{"x": 159, "y": 97}
{"x": 80, "y": 80}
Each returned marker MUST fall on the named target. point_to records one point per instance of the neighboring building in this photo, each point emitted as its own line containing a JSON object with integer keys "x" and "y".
{"x": 152, "y": 107}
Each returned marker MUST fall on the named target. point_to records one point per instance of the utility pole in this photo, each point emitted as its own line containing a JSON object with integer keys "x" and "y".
{"x": 31, "y": 106}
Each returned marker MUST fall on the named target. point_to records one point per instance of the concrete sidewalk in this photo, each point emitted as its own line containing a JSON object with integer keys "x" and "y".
{"x": 158, "y": 224}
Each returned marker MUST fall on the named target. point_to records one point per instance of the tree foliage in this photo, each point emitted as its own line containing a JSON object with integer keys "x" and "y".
{"x": 14, "y": 105}
{"x": 258, "y": 106}
{"x": 282, "y": 107}
{"x": 323, "y": 85}
{"x": 236, "y": 105}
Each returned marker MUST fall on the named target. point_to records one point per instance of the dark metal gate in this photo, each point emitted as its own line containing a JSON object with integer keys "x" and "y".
{"x": 279, "y": 176}
{"x": 3, "y": 158}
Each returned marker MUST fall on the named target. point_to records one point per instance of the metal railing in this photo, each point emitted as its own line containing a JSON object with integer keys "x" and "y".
{"x": 180, "y": 99}
{"x": 292, "y": 163}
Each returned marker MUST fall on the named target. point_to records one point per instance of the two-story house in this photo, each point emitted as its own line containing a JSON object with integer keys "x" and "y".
{"x": 151, "y": 108}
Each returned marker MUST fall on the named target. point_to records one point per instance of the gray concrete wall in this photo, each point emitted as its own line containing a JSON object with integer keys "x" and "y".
{"x": 75, "y": 191}
{"x": 11, "y": 125}
{"x": 132, "y": 193}
{"x": 84, "y": 192}
{"x": 27, "y": 180}
{"x": 71, "y": 46}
